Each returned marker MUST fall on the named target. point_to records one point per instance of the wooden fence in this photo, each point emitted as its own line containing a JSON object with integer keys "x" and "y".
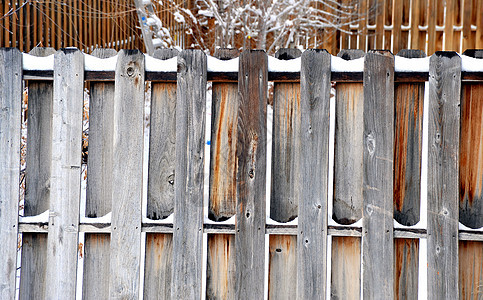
{"x": 375, "y": 193}
{"x": 392, "y": 25}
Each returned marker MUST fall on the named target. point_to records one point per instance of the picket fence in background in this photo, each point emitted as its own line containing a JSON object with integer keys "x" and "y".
{"x": 359, "y": 232}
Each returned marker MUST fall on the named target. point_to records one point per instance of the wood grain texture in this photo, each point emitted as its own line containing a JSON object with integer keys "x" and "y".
{"x": 162, "y": 141}
{"x": 66, "y": 174}
{"x": 157, "y": 270}
{"x": 409, "y": 100}
{"x": 251, "y": 152}
{"x": 190, "y": 133}
{"x": 10, "y": 115}
{"x": 37, "y": 184}
{"x": 222, "y": 200}
{"x": 346, "y": 268}
{"x": 471, "y": 151}
{"x": 406, "y": 268}
{"x": 127, "y": 176}
{"x": 377, "y": 222}
{"x": 286, "y": 122}
{"x": 220, "y": 274}
{"x": 99, "y": 185}
{"x": 443, "y": 156}
{"x": 348, "y": 149}
{"x": 282, "y": 266}
{"x": 39, "y": 141}
{"x": 470, "y": 274}
{"x": 313, "y": 171}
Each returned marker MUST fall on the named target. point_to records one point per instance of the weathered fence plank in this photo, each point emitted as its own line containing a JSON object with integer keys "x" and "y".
{"x": 313, "y": 172}
{"x": 281, "y": 268}
{"x": 68, "y": 99}
{"x": 37, "y": 182}
{"x": 283, "y": 202}
{"x": 346, "y": 268}
{"x": 470, "y": 254}
{"x": 190, "y": 132}
{"x": 409, "y": 99}
{"x": 127, "y": 177}
{"x": 471, "y": 152}
{"x": 162, "y": 141}
{"x": 443, "y": 189}
{"x": 377, "y": 225}
{"x": 222, "y": 201}
{"x": 99, "y": 185}
{"x": 406, "y": 268}
{"x": 251, "y": 150}
{"x": 348, "y": 158}
{"x": 157, "y": 277}
{"x": 161, "y": 165}
{"x": 220, "y": 276}
{"x": 10, "y": 103}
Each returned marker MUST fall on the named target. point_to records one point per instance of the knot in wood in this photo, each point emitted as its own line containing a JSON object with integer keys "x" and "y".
{"x": 130, "y": 71}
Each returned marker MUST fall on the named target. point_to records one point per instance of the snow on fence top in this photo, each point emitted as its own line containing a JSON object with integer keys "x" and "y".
{"x": 35, "y": 63}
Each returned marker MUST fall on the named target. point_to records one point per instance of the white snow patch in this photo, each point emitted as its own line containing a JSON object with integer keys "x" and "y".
{"x": 270, "y": 221}
{"x": 218, "y": 65}
{"x": 471, "y": 64}
{"x": 278, "y": 65}
{"x": 158, "y": 65}
{"x": 338, "y": 64}
{"x": 30, "y": 62}
{"x": 464, "y": 227}
{"x": 230, "y": 221}
{"x": 106, "y": 219}
{"x": 92, "y": 63}
{"x": 42, "y": 218}
{"x": 403, "y": 64}
{"x": 167, "y": 220}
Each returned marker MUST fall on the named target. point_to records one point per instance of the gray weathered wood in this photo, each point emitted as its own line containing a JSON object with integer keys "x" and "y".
{"x": 10, "y": 105}
{"x": 346, "y": 268}
{"x": 406, "y": 269}
{"x": 443, "y": 188}
{"x": 377, "y": 222}
{"x": 66, "y": 174}
{"x": 190, "y": 134}
{"x": 409, "y": 99}
{"x": 99, "y": 188}
{"x": 471, "y": 152}
{"x": 282, "y": 265}
{"x": 251, "y": 152}
{"x": 312, "y": 166}
{"x": 286, "y": 120}
{"x": 125, "y": 250}
{"x": 162, "y": 141}
{"x": 348, "y": 148}
{"x": 157, "y": 276}
{"x": 37, "y": 182}
{"x": 222, "y": 201}
{"x": 220, "y": 273}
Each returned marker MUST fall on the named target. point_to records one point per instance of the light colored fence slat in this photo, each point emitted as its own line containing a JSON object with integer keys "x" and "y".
{"x": 99, "y": 188}
{"x": 220, "y": 273}
{"x": 313, "y": 167}
{"x": 161, "y": 165}
{"x": 251, "y": 174}
{"x": 37, "y": 182}
{"x": 127, "y": 177}
{"x": 377, "y": 222}
{"x": 406, "y": 268}
{"x": 347, "y": 207}
{"x": 66, "y": 174}
{"x": 283, "y": 202}
{"x": 162, "y": 141}
{"x": 443, "y": 183}
{"x": 346, "y": 267}
{"x": 10, "y": 103}
{"x": 190, "y": 133}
